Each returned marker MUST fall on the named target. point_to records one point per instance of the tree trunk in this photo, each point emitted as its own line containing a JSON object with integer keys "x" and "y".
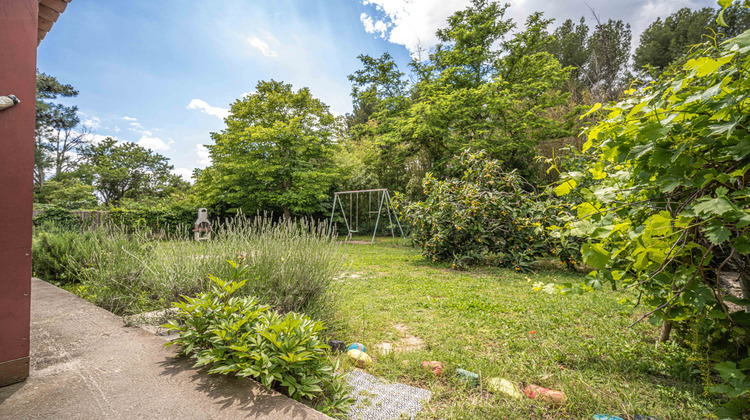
{"x": 742, "y": 265}
{"x": 745, "y": 284}
{"x": 666, "y": 328}
{"x": 287, "y": 213}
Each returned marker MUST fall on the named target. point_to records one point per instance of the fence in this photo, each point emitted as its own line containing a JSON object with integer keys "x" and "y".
{"x": 90, "y": 217}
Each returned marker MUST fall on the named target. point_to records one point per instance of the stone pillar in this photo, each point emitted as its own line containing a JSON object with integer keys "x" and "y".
{"x": 18, "y": 32}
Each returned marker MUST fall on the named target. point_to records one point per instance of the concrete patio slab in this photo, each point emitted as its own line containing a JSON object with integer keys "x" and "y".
{"x": 85, "y": 364}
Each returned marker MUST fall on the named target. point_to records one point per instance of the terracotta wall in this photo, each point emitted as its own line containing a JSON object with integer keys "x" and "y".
{"x": 18, "y": 41}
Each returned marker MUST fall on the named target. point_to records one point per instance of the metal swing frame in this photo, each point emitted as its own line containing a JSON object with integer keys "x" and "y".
{"x": 384, "y": 198}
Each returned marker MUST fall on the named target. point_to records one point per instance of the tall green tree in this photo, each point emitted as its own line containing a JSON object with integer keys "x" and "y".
{"x": 379, "y": 86}
{"x": 483, "y": 87}
{"x": 275, "y": 154}
{"x": 570, "y": 46}
{"x": 126, "y": 170}
{"x": 607, "y": 67}
{"x": 664, "y": 41}
{"x": 58, "y": 132}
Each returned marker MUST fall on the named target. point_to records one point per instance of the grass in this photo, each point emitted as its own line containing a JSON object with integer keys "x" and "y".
{"x": 489, "y": 321}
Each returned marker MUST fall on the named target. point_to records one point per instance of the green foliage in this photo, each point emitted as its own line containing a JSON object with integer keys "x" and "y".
{"x": 127, "y": 170}
{"x": 669, "y": 205}
{"x": 292, "y": 264}
{"x": 483, "y": 212}
{"x": 66, "y": 192}
{"x": 54, "y": 255}
{"x": 275, "y": 154}
{"x": 665, "y": 41}
{"x": 58, "y": 218}
{"x": 54, "y": 122}
{"x": 570, "y": 47}
{"x": 608, "y": 65}
{"x": 176, "y": 217}
{"x": 736, "y": 386}
{"x": 159, "y": 218}
{"x": 237, "y": 335}
{"x": 481, "y": 320}
{"x": 483, "y": 87}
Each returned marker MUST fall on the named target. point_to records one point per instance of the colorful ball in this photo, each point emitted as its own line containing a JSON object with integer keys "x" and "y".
{"x": 360, "y": 358}
{"x": 356, "y": 346}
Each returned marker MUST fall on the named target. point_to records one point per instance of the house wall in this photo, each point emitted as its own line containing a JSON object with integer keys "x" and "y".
{"x": 18, "y": 42}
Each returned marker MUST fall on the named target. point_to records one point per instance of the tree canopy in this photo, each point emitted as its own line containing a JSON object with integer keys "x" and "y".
{"x": 275, "y": 154}
{"x": 667, "y": 40}
{"x": 58, "y": 131}
{"x": 126, "y": 170}
{"x": 483, "y": 87}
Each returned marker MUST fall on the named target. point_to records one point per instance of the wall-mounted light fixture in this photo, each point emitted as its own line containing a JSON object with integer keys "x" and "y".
{"x": 8, "y": 101}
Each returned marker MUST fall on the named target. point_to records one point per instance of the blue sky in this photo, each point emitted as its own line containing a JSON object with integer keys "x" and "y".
{"x": 163, "y": 72}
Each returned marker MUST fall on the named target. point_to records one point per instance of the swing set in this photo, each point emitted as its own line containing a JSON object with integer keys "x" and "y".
{"x": 382, "y": 197}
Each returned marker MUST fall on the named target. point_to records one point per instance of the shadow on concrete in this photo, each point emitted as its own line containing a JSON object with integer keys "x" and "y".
{"x": 86, "y": 364}
{"x": 231, "y": 391}
{"x": 8, "y": 391}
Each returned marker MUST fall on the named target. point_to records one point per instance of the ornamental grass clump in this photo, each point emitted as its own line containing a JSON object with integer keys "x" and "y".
{"x": 291, "y": 264}
{"x": 235, "y": 334}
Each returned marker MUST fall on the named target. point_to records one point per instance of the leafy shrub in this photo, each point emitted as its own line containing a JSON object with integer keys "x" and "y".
{"x": 57, "y": 254}
{"x": 669, "y": 205}
{"x": 58, "y": 216}
{"x": 173, "y": 217}
{"x": 483, "y": 212}
{"x": 237, "y": 335}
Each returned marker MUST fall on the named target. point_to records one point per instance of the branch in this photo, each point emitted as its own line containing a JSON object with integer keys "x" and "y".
{"x": 679, "y": 292}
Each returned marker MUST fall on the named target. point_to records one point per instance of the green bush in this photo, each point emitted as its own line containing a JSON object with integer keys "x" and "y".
{"x": 292, "y": 264}
{"x": 666, "y": 206}
{"x": 483, "y": 212}
{"x": 176, "y": 217}
{"x": 57, "y": 253}
{"x": 60, "y": 217}
{"x": 237, "y": 335}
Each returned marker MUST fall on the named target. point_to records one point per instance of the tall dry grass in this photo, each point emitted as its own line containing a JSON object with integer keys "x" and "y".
{"x": 291, "y": 265}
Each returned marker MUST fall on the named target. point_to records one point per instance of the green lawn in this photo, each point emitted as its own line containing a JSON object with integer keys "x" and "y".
{"x": 482, "y": 321}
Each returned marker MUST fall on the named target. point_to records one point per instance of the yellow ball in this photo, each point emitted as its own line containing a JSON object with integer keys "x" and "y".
{"x": 360, "y": 358}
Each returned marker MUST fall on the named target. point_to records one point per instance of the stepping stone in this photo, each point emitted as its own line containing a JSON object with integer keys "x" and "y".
{"x": 378, "y": 399}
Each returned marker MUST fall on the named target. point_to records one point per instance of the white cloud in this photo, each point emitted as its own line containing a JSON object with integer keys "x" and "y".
{"x": 154, "y": 143}
{"x": 129, "y": 119}
{"x": 413, "y": 23}
{"x": 90, "y": 121}
{"x": 208, "y": 109}
{"x": 251, "y": 93}
{"x": 372, "y": 26}
{"x": 261, "y": 46}
{"x": 117, "y": 129}
{"x": 410, "y": 22}
{"x": 98, "y": 138}
{"x": 204, "y": 158}
{"x": 136, "y": 126}
{"x": 185, "y": 173}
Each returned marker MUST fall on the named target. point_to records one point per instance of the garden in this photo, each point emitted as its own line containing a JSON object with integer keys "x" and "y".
{"x": 606, "y": 281}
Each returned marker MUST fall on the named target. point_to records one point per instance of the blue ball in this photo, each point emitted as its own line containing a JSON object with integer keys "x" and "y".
{"x": 356, "y": 346}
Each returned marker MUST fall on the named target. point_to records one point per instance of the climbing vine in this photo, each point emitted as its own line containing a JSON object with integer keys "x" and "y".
{"x": 668, "y": 210}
